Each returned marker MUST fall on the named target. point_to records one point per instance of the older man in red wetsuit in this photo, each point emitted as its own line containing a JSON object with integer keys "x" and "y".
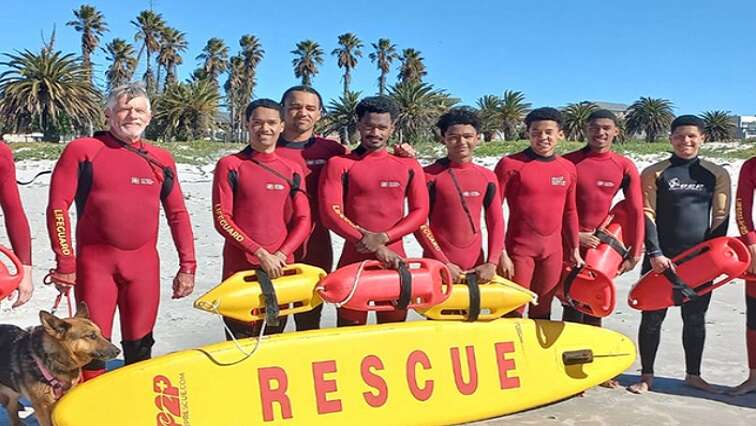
{"x": 259, "y": 205}
{"x": 16, "y": 223}
{"x": 118, "y": 183}
{"x": 302, "y": 106}
{"x": 362, "y": 198}
{"x": 539, "y": 187}
{"x": 744, "y": 218}
{"x": 459, "y": 192}
{"x": 601, "y": 174}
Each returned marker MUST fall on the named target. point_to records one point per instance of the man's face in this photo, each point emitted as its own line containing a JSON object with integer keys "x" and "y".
{"x": 601, "y": 133}
{"x": 544, "y": 136}
{"x": 128, "y": 118}
{"x": 686, "y": 141}
{"x": 460, "y": 141}
{"x": 264, "y": 125}
{"x": 375, "y": 130}
{"x": 301, "y": 111}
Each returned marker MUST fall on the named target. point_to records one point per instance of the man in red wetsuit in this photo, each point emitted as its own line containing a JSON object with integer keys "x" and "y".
{"x": 539, "y": 187}
{"x": 744, "y": 219}
{"x": 362, "y": 197}
{"x": 16, "y": 223}
{"x": 601, "y": 173}
{"x": 302, "y": 110}
{"x": 118, "y": 182}
{"x": 259, "y": 205}
{"x": 459, "y": 192}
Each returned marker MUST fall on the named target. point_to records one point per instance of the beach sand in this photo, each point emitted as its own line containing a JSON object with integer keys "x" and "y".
{"x": 179, "y": 326}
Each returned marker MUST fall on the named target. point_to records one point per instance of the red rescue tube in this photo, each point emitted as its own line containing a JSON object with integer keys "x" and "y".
{"x": 368, "y": 286}
{"x": 8, "y": 282}
{"x": 719, "y": 260}
{"x": 590, "y": 289}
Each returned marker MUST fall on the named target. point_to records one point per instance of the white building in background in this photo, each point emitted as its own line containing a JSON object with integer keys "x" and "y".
{"x": 746, "y": 126}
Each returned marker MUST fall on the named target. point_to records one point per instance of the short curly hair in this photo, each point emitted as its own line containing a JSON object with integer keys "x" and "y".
{"x": 543, "y": 114}
{"x": 263, "y": 103}
{"x": 377, "y": 104}
{"x": 459, "y": 115}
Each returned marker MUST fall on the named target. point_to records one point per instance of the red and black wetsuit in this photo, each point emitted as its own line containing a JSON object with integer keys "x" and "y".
{"x": 685, "y": 202}
{"x": 312, "y": 156}
{"x": 459, "y": 193}
{"x": 118, "y": 194}
{"x": 258, "y": 201}
{"x": 600, "y": 176}
{"x": 16, "y": 223}
{"x": 368, "y": 189}
{"x": 540, "y": 194}
{"x": 744, "y": 218}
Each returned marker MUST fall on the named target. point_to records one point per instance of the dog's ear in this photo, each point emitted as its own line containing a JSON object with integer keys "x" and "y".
{"x": 53, "y": 325}
{"x": 82, "y": 311}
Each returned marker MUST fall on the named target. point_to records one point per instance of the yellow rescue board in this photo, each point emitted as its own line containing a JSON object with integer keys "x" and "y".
{"x": 240, "y": 296}
{"x": 497, "y": 298}
{"x": 419, "y": 373}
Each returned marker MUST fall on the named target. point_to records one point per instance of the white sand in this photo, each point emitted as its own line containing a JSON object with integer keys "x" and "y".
{"x": 180, "y": 326}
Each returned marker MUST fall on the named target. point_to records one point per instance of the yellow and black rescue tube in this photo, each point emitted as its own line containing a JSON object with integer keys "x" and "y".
{"x": 240, "y": 297}
{"x": 497, "y": 298}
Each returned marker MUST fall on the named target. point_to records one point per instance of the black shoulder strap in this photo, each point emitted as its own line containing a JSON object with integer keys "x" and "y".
{"x": 463, "y": 201}
{"x": 168, "y": 175}
{"x": 294, "y": 183}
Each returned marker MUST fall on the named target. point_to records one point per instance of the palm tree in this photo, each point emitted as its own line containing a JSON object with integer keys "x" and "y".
{"x": 186, "y": 111}
{"x": 307, "y": 56}
{"x": 650, "y": 115}
{"x": 489, "y": 111}
{"x": 420, "y": 105}
{"x": 347, "y": 55}
{"x": 123, "y": 62}
{"x": 172, "y": 44}
{"x": 215, "y": 57}
{"x": 513, "y": 109}
{"x": 718, "y": 125}
{"x": 45, "y": 90}
{"x": 149, "y": 27}
{"x": 236, "y": 100}
{"x": 91, "y": 24}
{"x": 575, "y": 119}
{"x": 384, "y": 53}
{"x": 412, "y": 69}
{"x": 253, "y": 53}
{"x": 342, "y": 114}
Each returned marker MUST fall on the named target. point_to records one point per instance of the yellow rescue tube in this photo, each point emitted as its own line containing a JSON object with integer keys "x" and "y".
{"x": 415, "y": 373}
{"x": 497, "y": 298}
{"x": 240, "y": 296}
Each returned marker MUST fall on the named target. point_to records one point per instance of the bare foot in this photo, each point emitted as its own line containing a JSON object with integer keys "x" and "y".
{"x": 746, "y": 387}
{"x": 699, "y": 383}
{"x": 643, "y": 386}
{"x": 611, "y": 384}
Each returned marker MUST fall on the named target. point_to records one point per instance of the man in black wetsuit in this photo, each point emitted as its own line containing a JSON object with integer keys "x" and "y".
{"x": 686, "y": 201}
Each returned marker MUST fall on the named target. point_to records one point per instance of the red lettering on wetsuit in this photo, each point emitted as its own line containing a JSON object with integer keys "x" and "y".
{"x": 269, "y": 394}
{"x": 16, "y": 223}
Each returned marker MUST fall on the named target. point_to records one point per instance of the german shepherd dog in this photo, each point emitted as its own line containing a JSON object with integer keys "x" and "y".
{"x": 45, "y": 362}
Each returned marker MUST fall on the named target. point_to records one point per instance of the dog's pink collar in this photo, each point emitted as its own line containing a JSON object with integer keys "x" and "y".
{"x": 59, "y": 388}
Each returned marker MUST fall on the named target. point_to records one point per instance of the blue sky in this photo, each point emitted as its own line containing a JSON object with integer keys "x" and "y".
{"x": 700, "y": 54}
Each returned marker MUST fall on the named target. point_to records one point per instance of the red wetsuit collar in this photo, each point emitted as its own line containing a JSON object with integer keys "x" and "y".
{"x": 530, "y": 153}
{"x": 455, "y": 165}
{"x": 588, "y": 152}
{"x": 108, "y": 137}
{"x": 259, "y": 156}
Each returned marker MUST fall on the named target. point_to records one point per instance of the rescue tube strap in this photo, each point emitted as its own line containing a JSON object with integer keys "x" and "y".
{"x": 269, "y": 295}
{"x": 680, "y": 288}
{"x": 462, "y": 200}
{"x": 405, "y": 286}
{"x": 294, "y": 184}
{"x": 568, "y": 281}
{"x": 473, "y": 312}
{"x": 612, "y": 242}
